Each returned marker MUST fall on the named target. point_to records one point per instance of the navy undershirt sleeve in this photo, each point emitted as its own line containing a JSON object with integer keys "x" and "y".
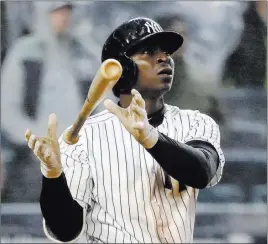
{"x": 193, "y": 164}
{"x": 63, "y": 215}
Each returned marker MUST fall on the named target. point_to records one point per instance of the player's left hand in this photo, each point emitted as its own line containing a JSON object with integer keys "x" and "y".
{"x": 135, "y": 119}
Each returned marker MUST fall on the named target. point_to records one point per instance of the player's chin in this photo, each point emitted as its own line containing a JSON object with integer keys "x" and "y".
{"x": 166, "y": 82}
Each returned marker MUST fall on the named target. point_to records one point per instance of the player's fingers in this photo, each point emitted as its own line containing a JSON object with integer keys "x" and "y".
{"x": 140, "y": 101}
{"x": 141, "y": 113}
{"x": 134, "y": 92}
{"x": 138, "y": 98}
{"x": 32, "y": 141}
{"x": 38, "y": 148}
{"x": 27, "y": 134}
{"x": 52, "y": 126}
{"x": 113, "y": 108}
{"x": 44, "y": 156}
{"x": 47, "y": 154}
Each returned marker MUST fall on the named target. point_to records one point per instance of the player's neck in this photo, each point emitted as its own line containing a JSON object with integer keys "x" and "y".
{"x": 151, "y": 105}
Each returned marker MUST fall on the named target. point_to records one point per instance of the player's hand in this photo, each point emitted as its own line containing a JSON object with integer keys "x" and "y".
{"x": 135, "y": 120}
{"x": 47, "y": 149}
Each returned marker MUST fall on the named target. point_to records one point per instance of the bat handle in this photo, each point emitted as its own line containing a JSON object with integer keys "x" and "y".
{"x": 70, "y": 136}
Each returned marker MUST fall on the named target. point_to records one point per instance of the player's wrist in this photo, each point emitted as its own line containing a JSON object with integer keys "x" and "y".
{"x": 151, "y": 138}
{"x": 51, "y": 173}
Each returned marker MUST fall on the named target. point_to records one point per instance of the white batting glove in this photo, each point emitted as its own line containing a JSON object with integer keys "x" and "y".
{"x": 47, "y": 149}
{"x": 135, "y": 120}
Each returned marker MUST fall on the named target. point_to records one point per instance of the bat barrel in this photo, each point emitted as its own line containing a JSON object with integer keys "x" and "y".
{"x": 111, "y": 69}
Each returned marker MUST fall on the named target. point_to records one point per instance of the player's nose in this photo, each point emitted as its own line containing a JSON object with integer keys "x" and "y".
{"x": 163, "y": 57}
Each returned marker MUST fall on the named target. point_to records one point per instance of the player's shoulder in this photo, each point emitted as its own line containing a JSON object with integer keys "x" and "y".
{"x": 98, "y": 118}
{"x": 191, "y": 114}
{"x": 176, "y": 111}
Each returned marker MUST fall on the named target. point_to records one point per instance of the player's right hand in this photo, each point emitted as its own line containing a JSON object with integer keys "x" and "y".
{"x": 135, "y": 119}
{"x": 47, "y": 149}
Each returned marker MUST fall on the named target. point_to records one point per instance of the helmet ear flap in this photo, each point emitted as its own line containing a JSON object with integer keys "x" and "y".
{"x": 129, "y": 76}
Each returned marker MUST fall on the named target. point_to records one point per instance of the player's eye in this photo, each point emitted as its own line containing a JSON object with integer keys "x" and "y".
{"x": 167, "y": 53}
{"x": 150, "y": 50}
{"x": 147, "y": 51}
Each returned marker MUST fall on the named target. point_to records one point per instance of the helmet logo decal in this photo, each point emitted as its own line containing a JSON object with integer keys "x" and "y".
{"x": 153, "y": 27}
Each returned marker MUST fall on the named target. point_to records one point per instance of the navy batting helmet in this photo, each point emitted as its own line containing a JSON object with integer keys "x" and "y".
{"x": 129, "y": 35}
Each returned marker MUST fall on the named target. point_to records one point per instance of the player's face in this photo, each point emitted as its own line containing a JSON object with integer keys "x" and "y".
{"x": 156, "y": 69}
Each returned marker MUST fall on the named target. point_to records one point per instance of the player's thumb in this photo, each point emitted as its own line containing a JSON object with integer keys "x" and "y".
{"x": 52, "y": 126}
{"x": 113, "y": 108}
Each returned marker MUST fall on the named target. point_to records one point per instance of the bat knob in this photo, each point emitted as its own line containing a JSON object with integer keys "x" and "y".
{"x": 69, "y": 137}
{"x": 111, "y": 69}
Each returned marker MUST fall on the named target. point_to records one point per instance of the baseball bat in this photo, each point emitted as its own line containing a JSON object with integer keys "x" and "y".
{"x": 106, "y": 77}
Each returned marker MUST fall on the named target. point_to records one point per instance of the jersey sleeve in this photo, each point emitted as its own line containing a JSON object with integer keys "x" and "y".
{"x": 204, "y": 128}
{"x": 76, "y": 167}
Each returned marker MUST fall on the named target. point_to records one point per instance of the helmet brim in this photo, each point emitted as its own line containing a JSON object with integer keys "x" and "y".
{"x": 168, "y": 41}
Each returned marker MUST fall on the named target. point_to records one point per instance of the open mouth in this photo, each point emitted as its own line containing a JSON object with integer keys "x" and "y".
{"x": 166, "y": 71}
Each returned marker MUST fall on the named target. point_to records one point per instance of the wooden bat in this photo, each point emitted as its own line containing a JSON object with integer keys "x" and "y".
{"x": 106, "y": 77}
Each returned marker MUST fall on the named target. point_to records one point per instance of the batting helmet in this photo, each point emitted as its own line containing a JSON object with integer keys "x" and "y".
{"x": 129, "y": 35}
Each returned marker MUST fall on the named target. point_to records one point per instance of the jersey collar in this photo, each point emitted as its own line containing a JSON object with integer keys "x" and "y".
{"x": 157, "y": 117}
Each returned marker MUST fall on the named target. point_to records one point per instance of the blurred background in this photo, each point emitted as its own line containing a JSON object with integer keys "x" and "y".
{"x": 50, "y": 51}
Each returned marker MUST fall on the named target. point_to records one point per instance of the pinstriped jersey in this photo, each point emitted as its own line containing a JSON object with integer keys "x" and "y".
{"x": 123, "y": 190}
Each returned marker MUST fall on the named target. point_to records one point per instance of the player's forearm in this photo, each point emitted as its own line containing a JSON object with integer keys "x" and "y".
{"x": 63, "y": 215}
{"x": 194, "y": 165}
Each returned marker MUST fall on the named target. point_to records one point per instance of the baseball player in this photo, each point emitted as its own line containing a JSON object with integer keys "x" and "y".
{"x": 135, "y": 173}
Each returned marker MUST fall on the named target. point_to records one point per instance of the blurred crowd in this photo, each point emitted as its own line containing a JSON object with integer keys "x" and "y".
{"x": 51, "y": 51}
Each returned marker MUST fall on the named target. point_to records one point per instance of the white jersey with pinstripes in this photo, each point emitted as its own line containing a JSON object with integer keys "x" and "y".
{"x": 122, "y": 187}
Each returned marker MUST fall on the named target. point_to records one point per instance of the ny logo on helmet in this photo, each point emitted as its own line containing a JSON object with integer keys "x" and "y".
{"x": 153, "y": 27}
